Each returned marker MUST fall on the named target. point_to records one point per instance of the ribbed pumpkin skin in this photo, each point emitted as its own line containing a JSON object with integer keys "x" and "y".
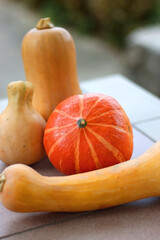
{"x": 107, "y": 138}
{"x": 49, "y": 60}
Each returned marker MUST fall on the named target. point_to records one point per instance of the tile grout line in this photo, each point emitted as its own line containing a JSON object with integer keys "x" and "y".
{"x": 153, "y": 140}
{"x": 48, "y": 224}
{"x": 146, "y": 120}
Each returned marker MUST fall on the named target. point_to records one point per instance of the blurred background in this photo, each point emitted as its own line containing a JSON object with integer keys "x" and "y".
{"x": 120, "y": 36}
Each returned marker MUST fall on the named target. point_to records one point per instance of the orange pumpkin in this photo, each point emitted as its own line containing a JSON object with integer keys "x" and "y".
{"x": 88, "y": 132}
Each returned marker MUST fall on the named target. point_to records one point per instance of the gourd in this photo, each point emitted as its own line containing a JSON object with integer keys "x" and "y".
{"x": 21, "y": 127}
{"x": 49, "y": 60}
{"x": 88, "y": 132}
{"x": 24, "y": 190}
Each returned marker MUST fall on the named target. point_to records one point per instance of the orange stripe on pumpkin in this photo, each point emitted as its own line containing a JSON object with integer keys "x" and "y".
{"x": 60, "y": 139}
{"x": 116, "y": 153}
{"x": 95, "y": 103}
{"x": 77, "y": 153}
{"x": 107, "y": 125}
{"x": 80, "y": 105}
{"x": 93, "y": 152}
{"x": 64, "y": 114}
{"x": 103, "y": 114}
{"x": 57, "y": 128}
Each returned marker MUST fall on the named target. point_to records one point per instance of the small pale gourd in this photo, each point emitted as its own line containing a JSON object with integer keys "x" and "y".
{"x": 21, "y": 127}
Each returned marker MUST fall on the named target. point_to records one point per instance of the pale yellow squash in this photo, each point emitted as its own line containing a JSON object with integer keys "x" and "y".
{"x": 21, "y": 127}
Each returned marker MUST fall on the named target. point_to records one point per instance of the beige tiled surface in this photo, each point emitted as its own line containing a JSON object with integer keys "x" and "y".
{"x": 138, "y": 220}
{"x": 150, "y": 128}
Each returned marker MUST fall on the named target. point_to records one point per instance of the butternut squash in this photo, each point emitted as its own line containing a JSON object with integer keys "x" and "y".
{"x": 24, "y": 190}
{"x": 21, "y": 127}
{"x": 49, "y": 60}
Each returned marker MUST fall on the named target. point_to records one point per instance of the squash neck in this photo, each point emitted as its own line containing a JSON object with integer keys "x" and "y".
{"x": 20, "y": 94}
{"x": 44, "y": 23}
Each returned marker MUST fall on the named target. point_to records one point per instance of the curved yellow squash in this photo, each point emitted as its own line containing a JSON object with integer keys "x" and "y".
{"x": 24, "y": 190}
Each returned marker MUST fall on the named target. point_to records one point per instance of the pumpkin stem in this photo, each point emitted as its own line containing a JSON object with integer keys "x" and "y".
{"x": 44, "y": 23}
{"x": 81, "y": 123}
{"x": 2, "y": 181}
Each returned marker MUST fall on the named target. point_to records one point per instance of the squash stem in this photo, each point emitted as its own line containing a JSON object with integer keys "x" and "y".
{"x": 2, "y": 181}
{"x": 44, "y": 23}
